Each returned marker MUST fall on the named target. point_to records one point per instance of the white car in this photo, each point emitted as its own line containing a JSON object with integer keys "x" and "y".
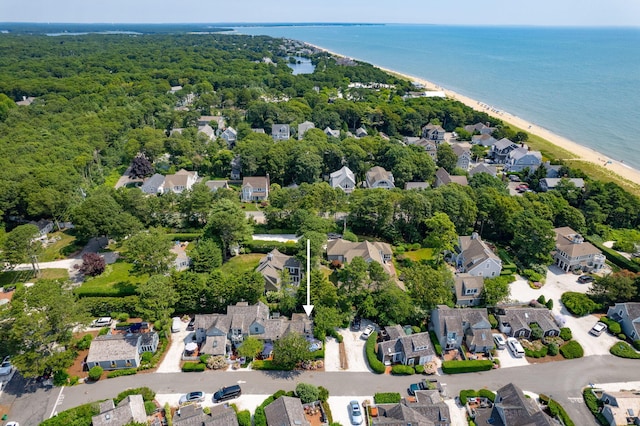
{"x": 102, "y": 322}
{"x": 515, "y": 347}
{"x": 197, "y": 396}
{"x": 355, "y": 413}
{"x": 367, "y": 332}
{"x": 598, "y": 329}
{"x": 499, "y": 340}
{"x": 6, "y": 367}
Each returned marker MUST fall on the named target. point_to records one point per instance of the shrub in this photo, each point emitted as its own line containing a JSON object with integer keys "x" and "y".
{"x": 92, "y": 264}
{"x": 150, "y": 407}
{"x": 84, "y": 343}
{"x": 259, "y": 418}
{"x": 167, "y": 414}
{"x": 402, "y": 370}
{"x": 420, "y": 368}
{"x": 556, "y": 410}
{"x": 624, "y": 350}
{"x": 307, "y": 392}
{"x": 553, "y": 349}
{"x": 571, "y": 350}
{"x": 193, "y": 366}
{"x": 216, "y": 362}
{"x": 636, "y": 345}
{"x": 465, "y": 394}
{"x": 146, "y": 357}
{"x": 204, "y": 358}
{"x": 387, "y": 398}
{"x": 376, "y": 365}
{"x": 323, "y": 393}
{"x": 80, "y": 415}
{"x": 454, "y": 367}
{"x": 103, "y": 331}
{"x": 540, "y": 353}
{"x": 542, "y": 300}
{"x": 614, "y": 327}
{"x": 565, "y": 334}
{"x": 147, "y": 394}
{"x": 549, "y": 304}
{"x": 486, "y": 393}
{"x": 118, "y": 373}
{"x": 578, "y": 303}
{"x": 622, "y": 336}
{"x": 594, "y": 405}
{"x": 493, "y": 321}
{"x": 264, "y": 365}
{"x": 536, "y": 331}
{"x": 60, "y": 378}
{"x": 244, "y": 418}
{"x": 327, "y": 411}
{"x": 95, "y": 372}
{"x": 435, "y": 343}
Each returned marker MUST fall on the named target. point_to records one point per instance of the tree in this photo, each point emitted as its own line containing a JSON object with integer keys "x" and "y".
{"x": 619, "y": 286}
{"x": 440, "y": 234}
{"x": 149, "y": 251}
{"x": 157, "y": 300}
{"x": 250, "y": 347}
{"x": 140, "y": 167}
{"x": 394, "y": 306}
{"x": 40, "y": 321}
{"x": 192, "y": 290}
{"x": 92, "y": 264}
{"x": 325, "y": 320}
{"x": 307, "y": 392}
{"x": 228, "y": 222}
{"x": 206, "y": 256}
{"x": 533, "y": 238}
{"x": 290, "y": 350}
{"x": 496, "y": 290}
{"x": 99, "y": 214}
{"x": 447, "y": 159}
{"x": 354, "y": 275}
{"x": 20, "y": 245}
{"x": 429, "y": 287}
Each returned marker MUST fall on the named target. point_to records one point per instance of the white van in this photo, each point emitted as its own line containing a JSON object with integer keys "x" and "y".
{"x": 515, "y": 347}
{"x": 176, "y": 324}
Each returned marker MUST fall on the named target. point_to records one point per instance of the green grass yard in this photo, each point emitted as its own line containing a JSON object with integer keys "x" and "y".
{"x": 242, "y": 263}
{"x": 61, "y": 249}
{"x": 418, "y": 255}
{"x": 116, "y": 280}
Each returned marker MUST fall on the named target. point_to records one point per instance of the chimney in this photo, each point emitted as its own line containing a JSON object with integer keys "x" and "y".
{"x": 474, "y": 235}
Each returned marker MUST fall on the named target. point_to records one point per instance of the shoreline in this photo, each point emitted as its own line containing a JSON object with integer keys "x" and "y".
{"x": 580, "y": 152}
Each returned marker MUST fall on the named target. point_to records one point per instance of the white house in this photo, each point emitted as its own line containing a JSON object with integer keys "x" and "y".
{"x": 464, "y": 156}
{"x": 343, "y": 179}
{"x": 378, "y": 177}
{"x": 255, "y": 188}
{"x": 303, "y": 127}
{"x": 521, "y": 158}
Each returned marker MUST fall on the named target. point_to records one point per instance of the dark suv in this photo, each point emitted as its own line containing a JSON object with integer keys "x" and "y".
{"x": 227, "y": 392}
{"x": 585, "y": 279}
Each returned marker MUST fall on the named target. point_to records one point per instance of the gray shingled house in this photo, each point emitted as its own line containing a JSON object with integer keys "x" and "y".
{"x": 515, "y": 322}
{"x": 286, "y": 411}
{"x": 116, "y": 351}
{"x": 272, "y": 266}
{"x": 129, "y": 410}
{"x": 428, "y": 409}
{"x": 468, "y": 289}
{"x": 628, "y": 315}
{"x": 192, "y": 415}
{"x": 400, "y": 348}
{"x": 476, "y": 258}
{"x": 470, "y": 326}
{"x": 513, "y": 408}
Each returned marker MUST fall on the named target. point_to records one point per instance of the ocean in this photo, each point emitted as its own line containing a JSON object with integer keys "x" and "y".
{"x": 580, "y": 83}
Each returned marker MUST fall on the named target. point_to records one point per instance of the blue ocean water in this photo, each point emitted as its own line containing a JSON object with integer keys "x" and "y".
{"x": 580, "y": 83}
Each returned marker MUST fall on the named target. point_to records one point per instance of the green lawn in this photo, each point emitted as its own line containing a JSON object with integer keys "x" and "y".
{"x": 418, "y": 255}
{"x": 242, "y": 263}
{"x": 116, "y": 280}
{"x": 54, "y": 274}
{"x": 61, "y": 249}
{"x": 250, "y": 207}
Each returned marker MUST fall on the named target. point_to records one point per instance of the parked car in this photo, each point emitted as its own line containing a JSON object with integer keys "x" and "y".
{"x": 228, "y": 392}
{"x": 176, "y": 324}
{"x": 515, "y": 347}
{"x": 356, "y": 324}
{"x": 355, "y": 413}
{"x": 584, "y": 279}
{"x": 197, "y": 396}
{"x": 598, "y": 328}
{"x": 102, "y": 322}
{"x": 422, "y": 385}
{"x": 367, "y": 332}
{"x": 191, "y": 325}
{"x": 6, "y": 367}
{"x": 500, "y": 341}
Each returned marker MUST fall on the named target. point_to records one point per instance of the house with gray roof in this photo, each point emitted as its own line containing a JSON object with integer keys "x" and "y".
{"x": 344, "y": 251}
{"x": 512, "y": 408}
{"x": 428, "y": 145}
{"x": 230, "y": 136}
{"x": 621, "y": 408}
{"x": 628, "y": 315}
{"x": 444, "y": 178}
{"x": 378, "y": 177}
{"x": 343, "y": 179}
{"x": 433, "y": 132}
{"x": 484, "y": 140}
{"x": 548, "y": 184}
{"x": 193, "y": 415}
{"x": 361, "y": 132}
{"x": 501, "y": 149}
{"x": 116, "y": 351}
{"x": 400, "y": 348}
{"x": 522, "y": 158}
{"x": 154, "y": 185}
{"x": 236, "y": 168}
{"x": 208, "y": 131}
{"x": 416, "y": 185}
{"x": 480, "y": 128}
{"x": 464, "y": 156}
{"x": 129, "y": 410}
{"x": 286, "y": 411}
{"x": 468, "y": 289}
{"x": 455, "y": 326}
{"x": 476, "y": 258}
{"x": 572, "y": 252}
{"x": 428, "y": 409}
{"x": 255, "y": 188}
{"x": 516, "y": 322}
{"x": 179, "y": 182}
{"x": 484, "y": 168}
{"x": 26, "y": 101}
{"x": 217, "y": 333}
{"x": 332, "y": 133}
{"x": 273, "y": 266}
{"x": 303, "y": 127}
{"x": 214, "y": 185}
{"x": 217, "y": 121}
{"x": 280, "y": 132}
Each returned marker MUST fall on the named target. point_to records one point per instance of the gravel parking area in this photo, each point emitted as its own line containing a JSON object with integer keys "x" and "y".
{"x": 244, "y": 402}
{"x": 340, "y": 407}
{"x": 332, "y": 355}
{"x": 354, "y": 348}
{"x": 508, "y": 360}
{"x": 171, "y": 361}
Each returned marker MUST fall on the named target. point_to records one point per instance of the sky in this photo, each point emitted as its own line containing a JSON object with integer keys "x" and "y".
{"x": 448, "y": 12}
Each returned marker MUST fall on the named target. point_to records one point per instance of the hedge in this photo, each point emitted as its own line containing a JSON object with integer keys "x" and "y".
{"x": 264, "y": 365}
{"x": 493, "y": 321}
{"x": 402, "y": 370}
{"x": 465, "y": 394}
{"x": 118, "y": 373}
{"x": 435, "y": 343}
{"x": 376, "y": 365}
{"x": 259, "y": 246}
{"x": 420, "y": 368}
{"x": 594, "y": 405}
{"x": 244, "y": 418}
{"x": 193, "y": 366}
{"x": 615, "y": 257}
{"x": 614, "y": 327}
{"x": 624, "y": 350}
{"x": 187, "y": 236}
{"x": 455, "y": 367}
{"x": 540, "y": 353}
{"x": 103, "y": 306}
{"x": 259, "y": 418}
{"x": 150, "y": 407}
{"x": 556, "y": 410}
{"x": 387, "y": 398}
{"x": 486, "y": 393}
{"x": 578, "y": 303}
{"x": 80, "y": 415}
{"x": 566, "y": 334}
{"x": 571, "y": 350}
{"x": 95, "y": 372}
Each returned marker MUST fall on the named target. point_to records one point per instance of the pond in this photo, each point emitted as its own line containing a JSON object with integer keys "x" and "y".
{"x": 301, "y": 65}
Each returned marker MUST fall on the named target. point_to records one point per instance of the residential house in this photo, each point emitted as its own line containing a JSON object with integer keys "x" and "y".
{"x": 455, "y": 327}
{"x": 193, "y": 415}
{"x": 516, "y": 322}
{"x": 361, "y": 132}
{"x": 522, "y": 158}
{"x": 343, "y": 179}
{"x": 116, "y": 351}
{"x": 512, "y": 408}
{"x": 207, "y": 130}
{"x": 480, "y": 128}
{"x": 416, "y": 185}
{"x": 258, "y": 130}
{"x": 44, "y": 227}
{"x": 214, "y": 185}
{"x": 400, "y": 348}
{"x": 548, "y": 184}
{"x": 433, "y": 132}
{"x": 280, "y": 132}
{"x": 286, "y": 411}
{"x": 26, "y": 101}
{"x": 218, "y": 333}
{"x": 476, "y": 258}
{"x": 428, "y": 145}
{"x": 621, "y": 408}
{"x": 236, "y": 168}
{"x": 332, "y": 133}
{"x": 628, "y": 315}
{"x": 175, "y": 89}
{"x": 484, "y": 168}
{"x": 464, "y": 156}
{"x": 255, "y": 188}
{"x": 303, "y": 127}
{"x": 344, "y": 251}
{"x": 484, "y": 140}
{"x": 428, "y": 409}
{"x": 230, "y": 136}
{"x": 217, "y": 120}
{"x": 444, "y": 178}
{"x": 378, "y": 177}
{"x": 501, "y": 149}
{"x": 272, "y": 267}
{"x": 154, "y": 185}
{"x": 468, "y": 289}
{"x": 129, "y": 410}
{"x": 572, "y": 252}
{"x": 182, "y": 260}
{"x": 179, "y": 182}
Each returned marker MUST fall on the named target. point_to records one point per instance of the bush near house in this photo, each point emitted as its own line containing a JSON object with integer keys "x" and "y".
{"x": 193, "y": 366}
{"x": 556, "y": 410}
{"x": 80, "y": 415}
{"x": 571, "y": 350}
{"x": 594, "y": 405}
{"x": 455, "y": 367}
{"x": 147, "y": 394}
{"x": 376, "y": 365}
{"x": 624, "y": 350}
{"x": 387, "y": 398}
{"x": 540, "y": 353}
{"x": 493, "y": 321}
{"x": 465, "y": 394}
{"x": 402, "y": 370}
{"x": 613, "y": 327}
{"x": 435, "y": 343}
{"x": 565, "y": 334}
{"x": 95, "y": 372}
{"x": 118, "y": 373}
{"x": 420, "y": 368}
{"x": 579, "y": 304}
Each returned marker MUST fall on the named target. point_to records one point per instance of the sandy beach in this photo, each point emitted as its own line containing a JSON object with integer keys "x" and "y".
{"x": 580, "y": 152}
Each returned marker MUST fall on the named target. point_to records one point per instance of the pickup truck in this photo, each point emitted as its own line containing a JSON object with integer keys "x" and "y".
{"x": 422, "y": 385}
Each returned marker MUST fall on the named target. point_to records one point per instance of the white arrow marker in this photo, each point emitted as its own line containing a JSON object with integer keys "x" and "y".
{"x": 308, "y": 307}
